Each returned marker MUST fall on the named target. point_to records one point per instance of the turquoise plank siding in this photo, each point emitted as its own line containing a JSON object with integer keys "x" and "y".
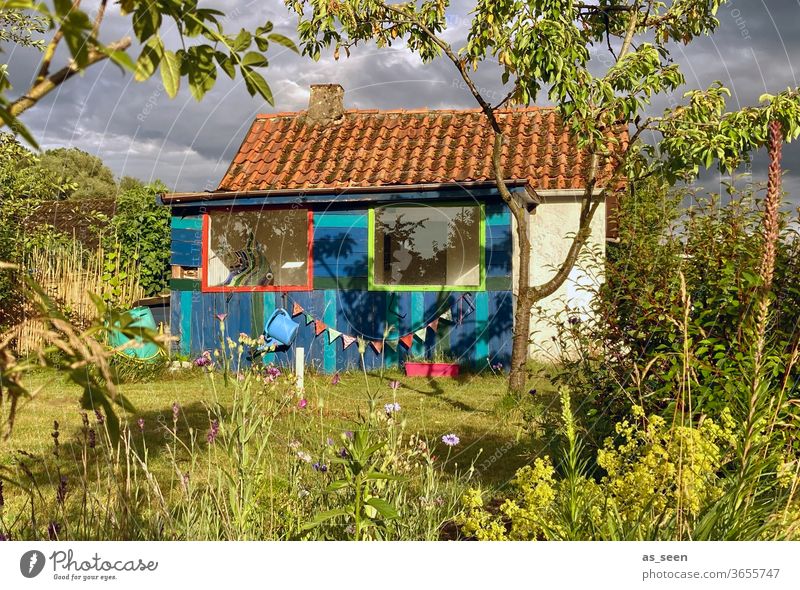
{"x": 329, "y": 349}
{"x": 340, "y": 220}
{"x": 418, "y": 320}
{"x": 186, "y": 322}
{"x": 195, "y": 223}
{"x": 482, "y": 335}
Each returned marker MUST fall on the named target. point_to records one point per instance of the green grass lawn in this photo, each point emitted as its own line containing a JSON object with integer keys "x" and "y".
{"x": 471, "y": 407}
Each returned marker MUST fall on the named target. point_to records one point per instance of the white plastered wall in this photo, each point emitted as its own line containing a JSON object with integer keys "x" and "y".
{"x": 551, "y": 227}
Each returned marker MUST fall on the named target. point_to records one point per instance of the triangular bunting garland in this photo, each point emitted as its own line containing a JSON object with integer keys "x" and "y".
{"x": 392, "y": 343}
{"x": 421, "y": 333}
{"x": 447, "y": 316}
{"x": 347, "y": 340}
{"x": 333, "y": 335}
{"x": 319, "y": 327}
{"x": 407, "y": 340}
{"x": 434, "y": 325}
{"x": 309, "y": 319}
{"x": 377, "y": 345}
{"x": 297, "y": 309}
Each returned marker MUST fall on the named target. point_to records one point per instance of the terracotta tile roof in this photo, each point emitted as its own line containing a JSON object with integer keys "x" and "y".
{"x": 380, "y": 148}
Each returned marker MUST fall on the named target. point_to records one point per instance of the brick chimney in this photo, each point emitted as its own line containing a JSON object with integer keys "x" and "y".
{"x": 326, "y": 103}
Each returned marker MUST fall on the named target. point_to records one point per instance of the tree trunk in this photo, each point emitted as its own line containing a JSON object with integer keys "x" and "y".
{"x": 518, "y": 379}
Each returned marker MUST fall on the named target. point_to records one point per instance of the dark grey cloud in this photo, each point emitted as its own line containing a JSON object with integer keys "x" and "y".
{"x": 138, "y": 131}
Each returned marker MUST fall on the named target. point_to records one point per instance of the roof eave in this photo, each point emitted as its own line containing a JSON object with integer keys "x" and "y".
{"x": 325, "y": 194}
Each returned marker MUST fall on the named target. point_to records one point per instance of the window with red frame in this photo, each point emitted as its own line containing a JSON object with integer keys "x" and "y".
{"x": 257, "y": 250}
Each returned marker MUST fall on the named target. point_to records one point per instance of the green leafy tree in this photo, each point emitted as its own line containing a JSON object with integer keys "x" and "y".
{"x": 23, "y": 186}
{"x": 600, "y": 64}
{"x": 142, "y": 233}
{"x": 202, "y": 50}
{"x": 84, "y": 175}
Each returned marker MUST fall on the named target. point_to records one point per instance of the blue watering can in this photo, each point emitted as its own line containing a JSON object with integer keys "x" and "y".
{"x": 280, "y": 330}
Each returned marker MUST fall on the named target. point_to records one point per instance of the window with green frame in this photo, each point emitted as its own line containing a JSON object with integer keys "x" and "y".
{"x": 427, "y": 247}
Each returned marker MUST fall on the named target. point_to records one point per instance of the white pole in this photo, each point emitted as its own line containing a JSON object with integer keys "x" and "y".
{"x": 299, "y": 367}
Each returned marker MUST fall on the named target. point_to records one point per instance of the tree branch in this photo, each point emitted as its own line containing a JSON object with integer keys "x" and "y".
{"x": 43, "y": 87}
{"x": 50, "y": 50}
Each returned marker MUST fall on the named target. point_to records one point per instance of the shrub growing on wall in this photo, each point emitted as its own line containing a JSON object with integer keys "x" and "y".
{"x": 142, "y": 234}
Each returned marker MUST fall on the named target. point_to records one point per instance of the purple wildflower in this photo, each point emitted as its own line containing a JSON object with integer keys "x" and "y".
{"x": 211, "y": 437}
{"x": 329, "y": 441}
{"x": 100, "y": 418}
{"x": 273, "y": 373}
{"x": 391, "y": 408}
{"x": 92, "y": 438}
{"x": 343, "y": 453}
{"x": 185, "y": 480}
{"x": 302, "y": 403}
{"x": 61, "y": 492}
{"x": 532, "y": 391}
{"x": 53, "y": 530}
{"x": 349, "y": 434}
{"x": 321, "y": 467}
{"x": 5, "y": 537}
{"x": 335, "y": 379}
{"x": 140, "y": 422}
{"x": 2, "y": 498}
{"x": 221, "y": 316}
{"x": 204, "y": 360}
{"x": 394, "y": 385}
{"x": 176, "y": 409}
{"x": 497, "y": 367}
{"x": 55, "y": 434}
{"x": 451, "y": 439}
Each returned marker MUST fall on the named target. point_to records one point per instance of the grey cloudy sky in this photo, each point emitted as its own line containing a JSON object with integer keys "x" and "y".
{"x": 138, "y": 131}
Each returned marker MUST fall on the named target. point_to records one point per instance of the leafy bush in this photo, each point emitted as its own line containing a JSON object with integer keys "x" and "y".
{"x": 141, "y": 234}
{"x": 678, "y": 282}
{"x": 657, "y": 482}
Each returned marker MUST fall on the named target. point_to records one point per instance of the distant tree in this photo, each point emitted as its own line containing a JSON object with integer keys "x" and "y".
{"x": 86, "y": 176}
{"x": 22, "y": 177}
{"x": 129, "y": 183}
{"x": 23, "y": 186}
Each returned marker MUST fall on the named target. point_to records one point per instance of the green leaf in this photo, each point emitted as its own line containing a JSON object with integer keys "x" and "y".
{"x": 324, "y": 517}
{"x": 147, "y": 63}
{"x": 254, "y": 60}
{"x": 374, "y": 475}
{"x": 383, "y": 507}
{"x": 121, "y": 58}
{"x": 242, "y": 41}
{"x": 226, "y": 63}
{"x": 283, "y": 40}
{"x": 171, "y": 73}
{"x": 337, "y": 485}
{"x": 17, "y": 127}
{"x": 256, "y": 84}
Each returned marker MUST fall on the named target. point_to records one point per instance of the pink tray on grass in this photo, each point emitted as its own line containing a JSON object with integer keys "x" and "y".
{"x": 431, "y": 369}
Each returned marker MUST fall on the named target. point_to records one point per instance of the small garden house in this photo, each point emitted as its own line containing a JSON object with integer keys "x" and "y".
{"x": 380, "y": 232}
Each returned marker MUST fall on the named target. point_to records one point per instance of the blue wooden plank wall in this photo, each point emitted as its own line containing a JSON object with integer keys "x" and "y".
{"x": 186, "y": 242}
{"x": 480, "y": 333}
